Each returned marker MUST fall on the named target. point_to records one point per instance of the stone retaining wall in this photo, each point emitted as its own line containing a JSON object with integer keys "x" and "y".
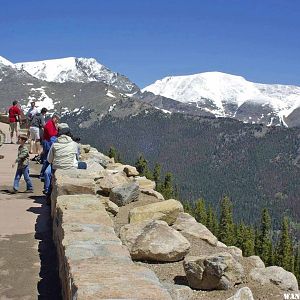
{"x": 93, "y": 263}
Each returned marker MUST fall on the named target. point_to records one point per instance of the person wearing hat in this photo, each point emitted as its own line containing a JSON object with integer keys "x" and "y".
{"x": 22, "y": 162}
{"x": 63, "y": 154}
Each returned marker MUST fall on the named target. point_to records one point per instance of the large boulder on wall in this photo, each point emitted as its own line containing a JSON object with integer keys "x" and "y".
{"x": 154, "y": 241}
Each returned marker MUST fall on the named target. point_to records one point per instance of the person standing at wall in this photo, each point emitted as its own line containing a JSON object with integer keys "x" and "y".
{"x": 29, "y": 115}
{"x": 36, "y": 131}
{"x": 14, "y": 114}
{"x": 50, "y": 136}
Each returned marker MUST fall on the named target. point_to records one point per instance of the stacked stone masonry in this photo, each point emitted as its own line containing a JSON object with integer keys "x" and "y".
{"x": 93, "y": 262}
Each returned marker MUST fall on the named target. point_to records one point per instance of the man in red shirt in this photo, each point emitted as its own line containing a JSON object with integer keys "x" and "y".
{"x": 14, "y": 114}
{"x": 49, "y": 137}
{"x": 50, "y": 128}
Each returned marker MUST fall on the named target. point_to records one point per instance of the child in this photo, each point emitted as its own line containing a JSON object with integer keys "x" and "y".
{"x": 23, "y": 166}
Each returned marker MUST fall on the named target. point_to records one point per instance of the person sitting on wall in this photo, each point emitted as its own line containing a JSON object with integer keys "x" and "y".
{"x": 63, "y": 154}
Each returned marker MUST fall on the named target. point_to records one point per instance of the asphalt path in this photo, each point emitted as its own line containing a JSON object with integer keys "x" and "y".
{"x": 28, "y": 263}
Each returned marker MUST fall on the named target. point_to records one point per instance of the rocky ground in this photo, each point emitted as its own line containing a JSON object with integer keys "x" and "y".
{"x": 174, "y": 272}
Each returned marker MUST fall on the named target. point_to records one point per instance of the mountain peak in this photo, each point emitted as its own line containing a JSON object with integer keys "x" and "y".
{"x": 64, "y": 69}
{"x": 5, "y": 62}
{"x": 76, "y": 70}
{"x": 227, "y": 95}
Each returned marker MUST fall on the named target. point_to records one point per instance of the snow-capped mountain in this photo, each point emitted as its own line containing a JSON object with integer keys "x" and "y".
{"x": 5, "y": 62}
{"x": 108, "y": 95}
{"x": 77, "y": 70}
{"x": 227, "y": 95}
{"x": 70, "y": 83}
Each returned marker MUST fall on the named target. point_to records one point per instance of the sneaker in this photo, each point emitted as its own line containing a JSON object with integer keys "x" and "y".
{"x": 13, "y": 191}
{"x": 28, "y": 191}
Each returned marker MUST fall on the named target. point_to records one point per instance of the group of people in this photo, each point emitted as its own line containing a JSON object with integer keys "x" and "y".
{"x": 50, "y": 139}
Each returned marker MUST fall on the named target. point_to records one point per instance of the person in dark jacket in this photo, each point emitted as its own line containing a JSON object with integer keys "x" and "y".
{"x": 36, "y": 131}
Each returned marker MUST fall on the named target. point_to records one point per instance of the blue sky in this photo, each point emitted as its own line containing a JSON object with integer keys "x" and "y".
{"x": 150, "y": 39}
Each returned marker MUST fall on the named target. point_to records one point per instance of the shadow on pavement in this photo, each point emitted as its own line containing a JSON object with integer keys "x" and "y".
{"x": 49, "y": 285}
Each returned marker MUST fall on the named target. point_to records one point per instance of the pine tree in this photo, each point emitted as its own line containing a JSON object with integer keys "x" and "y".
{"x": 257, "y": 237}
{"x": 157, "y": 174}
{"x": 113, "y": 153}
{"x": 167, "y": 187}
{"x": 142, "y": 167}
{"x": 148, "y": 174}
{"x": 297, "y": 264}
{"x": 264, "y": 246}
{"x": 239, "y": 235}
{"x": 245, "y": 239}
{"x": 212, "y": 220}
{"x": 187, "y": 207}
{"x": 226, "y": 225}
{"x": 176, "y": 192}
{"x": 248, "y": 247}
{"x": 200, "y": 212}
{"x": 284, "y": 253}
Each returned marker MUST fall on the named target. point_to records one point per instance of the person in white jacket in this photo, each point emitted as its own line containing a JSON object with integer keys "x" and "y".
{"x": 63, "y": 154}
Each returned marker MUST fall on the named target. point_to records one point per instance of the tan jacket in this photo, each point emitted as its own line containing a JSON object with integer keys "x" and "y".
{"x": 23, "y": 157}
{"x": 63, "y": 153}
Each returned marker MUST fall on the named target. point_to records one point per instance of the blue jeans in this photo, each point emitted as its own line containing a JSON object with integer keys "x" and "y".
{"x": 47, "y": 179}
{"x": 46, "y": 147}
{"x": 25, "y": 172}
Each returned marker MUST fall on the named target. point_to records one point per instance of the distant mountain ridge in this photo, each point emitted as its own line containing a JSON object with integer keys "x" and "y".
{"x": 95, "y": 94}
{"x": 77, "y": 70}
{"x": 213, "y": 94}
{"x": 78, "y": 84}
{"x": 226, "y": 95}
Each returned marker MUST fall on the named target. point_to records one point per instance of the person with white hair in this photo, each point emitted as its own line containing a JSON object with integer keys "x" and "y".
{"x": 63, "y": 154}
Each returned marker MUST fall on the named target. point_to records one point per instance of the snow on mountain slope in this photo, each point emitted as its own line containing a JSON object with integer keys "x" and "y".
{"x": 223, "y": 94}
{"x": 76, "y": 69}
{"x": 5, "y": 62}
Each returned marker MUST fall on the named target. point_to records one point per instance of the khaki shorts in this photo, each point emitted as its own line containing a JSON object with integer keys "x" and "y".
{"x": 35, "y": 133}
{"x": 13, "y": 127}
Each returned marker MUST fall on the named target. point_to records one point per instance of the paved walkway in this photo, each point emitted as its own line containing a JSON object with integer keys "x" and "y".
{"x": 28, "y": 265}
